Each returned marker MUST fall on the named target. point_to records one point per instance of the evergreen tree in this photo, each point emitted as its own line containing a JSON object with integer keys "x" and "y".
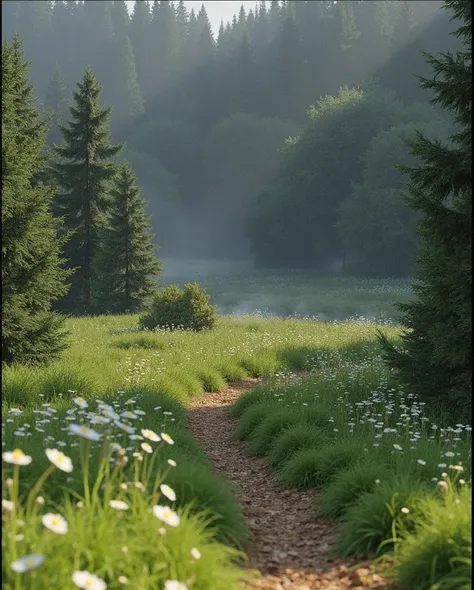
{"x": 125, "y": 264}
{"x": 436, "y": 360}
{"x": 82, "y": 171}
{"x": 56, "y": 104}
{"x": 32, "y": 277}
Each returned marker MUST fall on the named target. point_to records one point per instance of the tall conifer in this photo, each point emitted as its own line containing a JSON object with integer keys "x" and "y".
{"x": 436, "y": 360}
{"x": 32, "y": 277}
{"x": 82, "y": 171}
{"x": 125, "y": 264}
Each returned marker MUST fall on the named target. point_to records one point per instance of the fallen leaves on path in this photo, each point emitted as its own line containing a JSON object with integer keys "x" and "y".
{"x": 290, "y": 545}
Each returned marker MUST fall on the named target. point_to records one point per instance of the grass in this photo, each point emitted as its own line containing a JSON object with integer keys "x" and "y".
{"x": 378, "y": 457}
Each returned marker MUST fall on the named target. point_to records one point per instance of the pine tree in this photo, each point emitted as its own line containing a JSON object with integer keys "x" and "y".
{"x": 56, "y": 104}
{"x": 125, "y": 264}
{"x": 436, "y": 359}
{"x": 81, "y": 172}
{"x": 32, "y": 277}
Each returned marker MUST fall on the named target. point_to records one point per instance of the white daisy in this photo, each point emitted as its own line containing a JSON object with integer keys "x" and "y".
{"x": 81, "y": 402}
{"x": 118, "y": 505}
{"x": 17, "y": 457}
{"x": 146, "y": 447}
{"x": 175, "y": 585}
{"x": 60, "y": 460}
{"x": 88, "y": 581}
{"x": 195, "y": 553}
{"x": 84, "y": 431}
{"x": 55, "y": 523}
{"x": 166, "y": 515}
{"x": 150, "y": 435}
{"x": 168, "y": 492}
{"x": 167, "y": 438}
{"x": 171, "y": 462}
{"x": 27, "y": 563}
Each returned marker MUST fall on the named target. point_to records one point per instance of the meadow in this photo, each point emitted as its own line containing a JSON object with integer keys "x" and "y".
{"x": 140, "y": 505}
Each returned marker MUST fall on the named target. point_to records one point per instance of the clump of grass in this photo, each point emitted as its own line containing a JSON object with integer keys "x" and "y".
{"x": 292, "y": 440}
{"x": 250, "y": 420}
{"x": 146, "y": 341}
{"x": 232, "y": 372}
{"x": 438, "y": 553}
{"x": 312, "y": 467}
{"x": 243, "y": 402}
{"x": 369, "y": 525}
{"x": 269, "y": 428}
{"x": 211, "y": 380}
{"x": 348, "y": 486}
{"x": 20, "y": 386}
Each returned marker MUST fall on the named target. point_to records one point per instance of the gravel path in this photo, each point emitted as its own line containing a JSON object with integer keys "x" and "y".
{"x": 290, "y": 545}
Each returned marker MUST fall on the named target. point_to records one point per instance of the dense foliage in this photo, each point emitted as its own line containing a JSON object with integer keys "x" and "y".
{"x": 32, "y": 277}
{"x": 436, "y": 359}
{"x": 125, "y": 266}
{"x": 186, "y": 101}
{"x": 176, "y": 309}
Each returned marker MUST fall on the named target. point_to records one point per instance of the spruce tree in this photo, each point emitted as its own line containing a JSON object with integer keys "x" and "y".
{"x": 436, "y": 358}
{"x": 82, "y": 171}
{"x": 125, "y": 264}
{"x": 32, "y": 277}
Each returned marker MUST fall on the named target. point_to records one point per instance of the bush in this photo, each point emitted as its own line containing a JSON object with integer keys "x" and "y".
{"x": 312, "y": 467}
{"x": 173, "y": 309}
{"x": 437, "y": 554}
{"x": 348, "y": 486}
{"x": 292, "y": 440}
{"x": 270, "y": 428}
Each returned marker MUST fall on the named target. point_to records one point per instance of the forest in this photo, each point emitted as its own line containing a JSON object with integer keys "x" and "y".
{"x": 294, "y": 411}
{"x": 276, "y": 141}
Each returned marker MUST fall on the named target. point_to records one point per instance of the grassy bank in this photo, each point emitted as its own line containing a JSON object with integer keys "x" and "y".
{"x": 395, "y": 479}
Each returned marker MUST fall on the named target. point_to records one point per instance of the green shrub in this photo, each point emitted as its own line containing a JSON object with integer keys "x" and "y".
{"x": 348, "y": 486}
{"x": 312, "y": 467}
{"x": 246, "y": 400}
{"x": 270, "y": 428}
{"x": 437, "y": 554}
{"x": 250, "y": 420}
{"x": 211, "y": 380}
{"x": 293, "y": 439}
{"x": 368, "y": 526}
{"x": 173, "y": 309}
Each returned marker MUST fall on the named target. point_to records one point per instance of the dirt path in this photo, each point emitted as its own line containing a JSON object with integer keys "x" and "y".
{"x": 290, "y": 546}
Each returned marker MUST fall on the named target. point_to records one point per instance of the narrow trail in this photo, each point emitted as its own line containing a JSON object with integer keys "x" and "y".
{"x": 290, "y": 545}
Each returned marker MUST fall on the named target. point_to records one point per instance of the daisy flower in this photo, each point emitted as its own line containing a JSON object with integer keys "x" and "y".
{"x": 81, "y": 402}
{"x": 17, "y": 457}
{"x": 146, "y": 447}
{"x": 84, "y": 432}
{"x": 175, "y": 585}
{"x": 88, "y": 581}
{"x": 118, "y": 505}
{"x": 55, "y": 523}
{"x": 168, "y": 492}
{"x": 27, "y": 563}
{"x": 167, "y": 438}
{"x": 150, "y": 435}
{"x": 59, "y": 460}
{"x": 166, "y": 515}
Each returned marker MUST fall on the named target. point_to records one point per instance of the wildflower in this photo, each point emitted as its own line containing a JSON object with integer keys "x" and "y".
{"x": 405, "y": 510}
{"x": 123, "y": 580}
{"x": 161, "y": 531}
{"x": 9, "y": 482}
{"x": 8, "y": 505}
{"x": 171, "y": 462}
{"x": 109, "y": 413}
{"x": 456, "y": 467}
{"x": 168, "y": 492}
{"x": 449, "y": 454}
{"x": 175, "y": 585}
{"x": 40, "y": 501}
{"x": 167, "y": 438}
{"x": 118, "y": 505}
{"x": 55, "y": 523}
{"x": 150, "y": 435}
{"x": 124, "y": 549}
{"x": 59, "y": 460}
{"x": 129, "y": 415}
{"x": 128, "y": 429}
{"x": 195, "y": 553}
{"x": 17, "y": 457}
{"x": 442, "y": 465}
{"x": 377, "y": 481}
{"x": 27, "y": 563}
{"x": 166, "y": 515}
{"x": 84, "y": 431}
{"x": 443, "y": 485}
{"x": 101, "y": 420}
{"x": 81, "y": 402}
{"x": 146, "y": 447}
{"x": 421, "y": 462}
{"x": 462, "y": 482}
{"x": 19, "y": 538}
{"x": 397, "y": 447}
{"x": 129, "y": 401}
{"x": 88, "y": 581}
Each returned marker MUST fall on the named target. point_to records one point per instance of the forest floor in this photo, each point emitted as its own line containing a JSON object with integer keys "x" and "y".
{"x": 290, "y": 547}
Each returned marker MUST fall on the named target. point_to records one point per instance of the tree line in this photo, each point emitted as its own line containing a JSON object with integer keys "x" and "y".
{"x": 197, "y": 110}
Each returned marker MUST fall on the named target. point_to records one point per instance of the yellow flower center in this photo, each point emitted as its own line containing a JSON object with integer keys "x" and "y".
{"x": 17, "y": 454}
{"x": 89, "y": 583}
{"x": 80, "y": 399}
{"x": 55, "y": 522}
{"x": 60, "y": 457}
{"x": 29, "y": 563}
{"x": 84, "y": 429}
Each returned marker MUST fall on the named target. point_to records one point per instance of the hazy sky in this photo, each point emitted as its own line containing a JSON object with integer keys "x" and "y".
{"x": 217, "y": 10}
